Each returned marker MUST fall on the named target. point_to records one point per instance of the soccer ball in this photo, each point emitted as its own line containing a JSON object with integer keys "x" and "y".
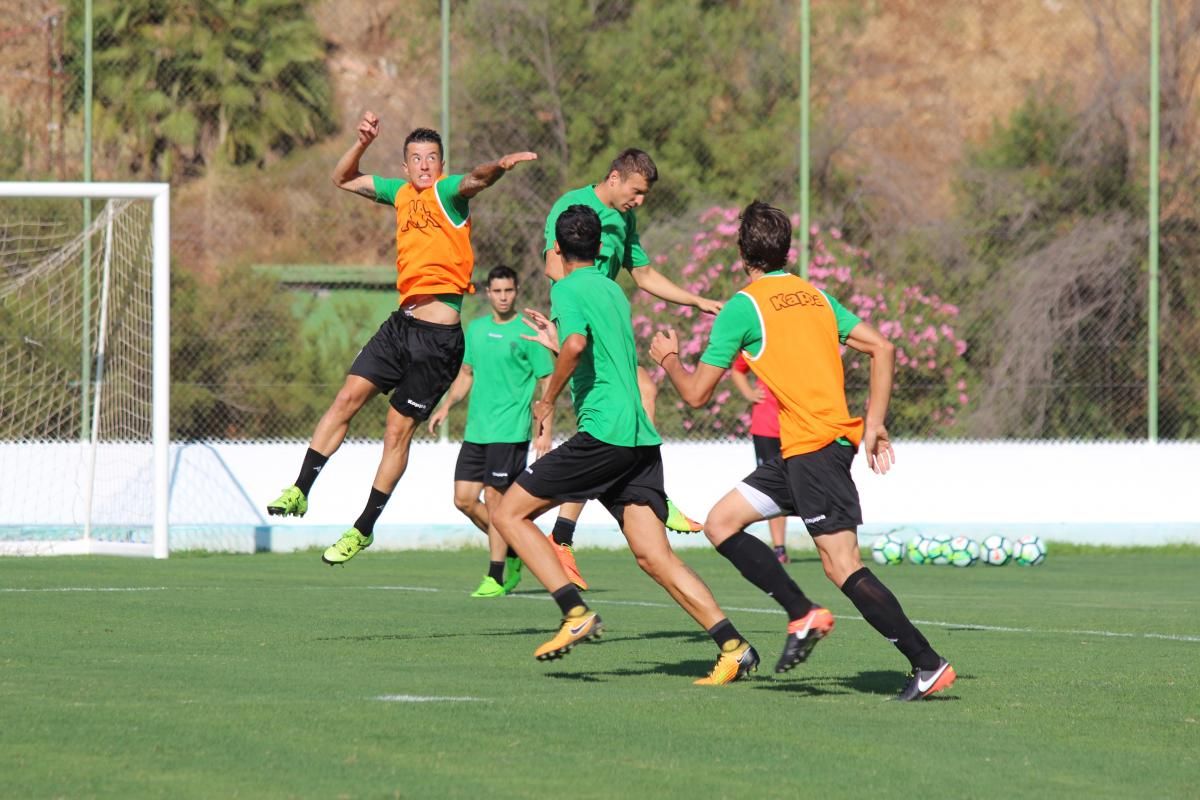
{"x": 918, "y": 549}
{"x": 888, "y": 549}
{"x": 997, "y": 550}
{"x": 1030, "y": 551}
{"x": 963, "y": 552}
{"x": 939, "y": 549}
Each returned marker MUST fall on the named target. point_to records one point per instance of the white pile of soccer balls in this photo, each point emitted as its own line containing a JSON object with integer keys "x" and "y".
{"x": 960, "y": 551}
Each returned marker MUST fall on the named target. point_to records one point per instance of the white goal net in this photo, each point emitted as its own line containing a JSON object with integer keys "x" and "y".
{"x": 83, "y": 368}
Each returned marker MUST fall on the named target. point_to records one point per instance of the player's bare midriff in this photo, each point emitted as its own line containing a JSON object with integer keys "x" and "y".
{"x": 428, "y": 308}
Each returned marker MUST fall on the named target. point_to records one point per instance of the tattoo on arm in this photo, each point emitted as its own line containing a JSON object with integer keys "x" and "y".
{"x": 366, "y": 191}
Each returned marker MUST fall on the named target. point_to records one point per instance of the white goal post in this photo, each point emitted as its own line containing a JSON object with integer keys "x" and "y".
{"x": 35, "y": 323}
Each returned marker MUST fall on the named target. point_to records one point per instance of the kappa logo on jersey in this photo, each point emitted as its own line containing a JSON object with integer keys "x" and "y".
{"x": 789, "y": 299}
{"x": 495, "y": 336}
{"x": 419, "y": 217}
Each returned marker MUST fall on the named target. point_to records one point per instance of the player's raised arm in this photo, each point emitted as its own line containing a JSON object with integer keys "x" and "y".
{"x": 876, "y": 443}
{"x": 346, "y": 174}
{"x": 651, "y": 280}
{"x": 485, "y": 175}
{"x": 695, "y": 387}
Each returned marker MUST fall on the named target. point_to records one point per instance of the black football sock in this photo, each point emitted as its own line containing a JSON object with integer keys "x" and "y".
{"x": 758, "y": 564}
{"x": 568, "y": 600}
{"x": 375, "y": 503}
{"x": 564, "y": 531}
{"x": 880, "y": 607}
{"x": 496, "y": 571}
{"x": 309, "y": 470}
{"x": 511, "y": 553}
{"x": 724, "y": 633}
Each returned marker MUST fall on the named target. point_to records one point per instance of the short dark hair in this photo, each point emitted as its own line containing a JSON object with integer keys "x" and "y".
{"x": 423, "y": 135}
{"x": 577, "y": 232}
{"x": 630, "y": 161}
{"x": 502, "y": 272}
{"x": 764, "y": 237}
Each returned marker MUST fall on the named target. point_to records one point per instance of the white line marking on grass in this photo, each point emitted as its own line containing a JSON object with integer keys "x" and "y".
{"x": 935, "y": 623}
{"x": 420, "y": 698}
{"x": 93, "y": 589}
{"x": 398, "y": 588}
{"x": 1170, "y": 637}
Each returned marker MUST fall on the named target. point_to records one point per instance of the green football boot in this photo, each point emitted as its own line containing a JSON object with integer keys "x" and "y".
{"x": 347, "y": 547}
{"x": 489, "y": 588}
{"x": 679, "y": 521}
{"x": 512, "y": 573}
{"x": 292, "y": 503}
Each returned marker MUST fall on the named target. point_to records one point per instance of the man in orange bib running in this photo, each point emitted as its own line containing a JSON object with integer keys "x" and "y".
{"x": 790, "y": 333}
{"x": 417, "y": 351}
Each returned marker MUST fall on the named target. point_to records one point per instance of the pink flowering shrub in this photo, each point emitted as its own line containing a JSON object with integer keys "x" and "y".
{"x": 931, "y": 376}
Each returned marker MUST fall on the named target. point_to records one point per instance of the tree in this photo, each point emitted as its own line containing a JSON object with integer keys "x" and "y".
{"x": 932, "y": 381}
{"x": 577, "y": 81}
{"x": 178, "y": 84}
{"x": 1055, "y": 234}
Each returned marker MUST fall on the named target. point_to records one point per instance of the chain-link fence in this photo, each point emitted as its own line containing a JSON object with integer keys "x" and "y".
{"x": 979, "y": 183}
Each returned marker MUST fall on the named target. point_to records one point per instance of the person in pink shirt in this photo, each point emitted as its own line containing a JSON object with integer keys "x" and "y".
{"x": 764, "y": 430}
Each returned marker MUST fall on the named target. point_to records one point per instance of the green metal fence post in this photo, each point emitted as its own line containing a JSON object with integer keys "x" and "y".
{"x": 445, "y": 81}
{"x": 804, "y": 100}
{"x": 1152, "y": 365}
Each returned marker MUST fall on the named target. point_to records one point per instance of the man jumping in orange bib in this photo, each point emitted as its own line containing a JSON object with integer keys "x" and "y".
{"x": 418, "y": 350}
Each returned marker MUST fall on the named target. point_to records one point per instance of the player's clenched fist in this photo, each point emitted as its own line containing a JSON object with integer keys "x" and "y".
{"x": 663, "y": 344}
{"x": 368, "y": 128}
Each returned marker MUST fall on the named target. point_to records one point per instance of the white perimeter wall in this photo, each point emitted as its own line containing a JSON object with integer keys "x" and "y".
{"x": 1133, "y": 493}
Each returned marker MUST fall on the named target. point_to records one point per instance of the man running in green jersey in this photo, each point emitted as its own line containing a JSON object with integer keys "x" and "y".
{"x": 416, "y": 353}
{"x": 790, "y": 333}
{"x": 500, "y": 371}
{"x": 614, "y": 456}
{"x": 615, "y": 200}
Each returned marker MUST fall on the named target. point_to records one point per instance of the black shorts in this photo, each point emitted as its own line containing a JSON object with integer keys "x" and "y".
{"x": 585, "y": 468}
{"x": 816, "y": 487}
{"x": 765, "y": 448}
{"x": 495, "y": 465}
{"x": 418, "y": 359}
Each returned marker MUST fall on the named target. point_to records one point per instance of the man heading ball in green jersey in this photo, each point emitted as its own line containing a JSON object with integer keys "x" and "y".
{"x": 615, "y": 200}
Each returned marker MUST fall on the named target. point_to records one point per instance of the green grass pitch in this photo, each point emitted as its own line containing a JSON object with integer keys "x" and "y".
{"x": 274, "y": 676}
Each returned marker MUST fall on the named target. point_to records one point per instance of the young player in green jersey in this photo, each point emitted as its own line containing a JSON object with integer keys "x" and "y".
{"x": 615, "y": 200}
{"x": 790, "y": 333}
{"x": 614, "y": 457}
{"x": 416, "y": 353}
{"x": 500, "y": 371}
